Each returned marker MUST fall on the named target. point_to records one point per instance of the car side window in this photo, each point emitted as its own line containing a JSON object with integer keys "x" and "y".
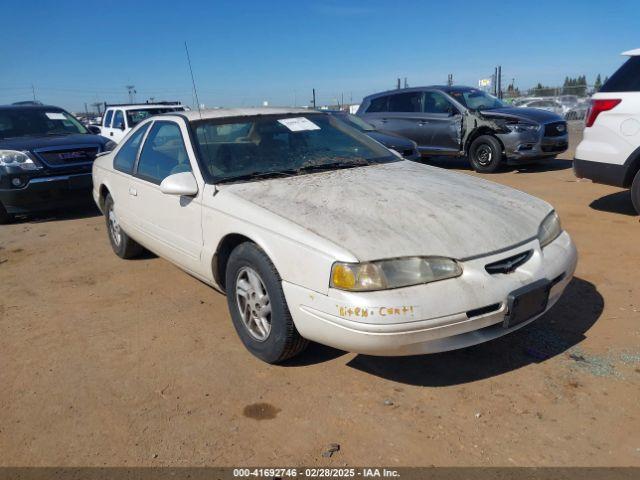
{"x": 107, "y": 118}
{"x": 163, "y": 153}
{"x": 118, "y": 119}
{"x": 378, "y": 105}
{"x": 126, "y": 156}
{"x": 435, "y": 102}
{"x": 406, "y": 102}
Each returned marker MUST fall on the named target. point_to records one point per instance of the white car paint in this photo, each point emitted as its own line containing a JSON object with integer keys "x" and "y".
{"x": 609, "y": 152}
{"x": 306, "y": 223}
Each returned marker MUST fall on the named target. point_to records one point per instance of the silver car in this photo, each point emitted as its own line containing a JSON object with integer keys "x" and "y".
{"x": 465, "y": 121}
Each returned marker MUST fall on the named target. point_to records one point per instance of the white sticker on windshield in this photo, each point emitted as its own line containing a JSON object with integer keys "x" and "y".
{"x": 298, "y": 124}
{"x": 55, "y": 116}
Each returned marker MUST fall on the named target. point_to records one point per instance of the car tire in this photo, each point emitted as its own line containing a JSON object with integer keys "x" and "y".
{"x": 257, "y": 306}
{"x": 485, "y": 154}
{"x": 635, "y": 192}
{"x": 121, "y": 243}
{"x": 4, "y": 216}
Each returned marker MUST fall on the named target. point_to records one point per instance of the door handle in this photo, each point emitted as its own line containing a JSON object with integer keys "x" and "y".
{"x": 133, "y": 192}
{"x": 423, "y": 122}
{"x": 384, "y": 120}
{"x": 111, "y": 134}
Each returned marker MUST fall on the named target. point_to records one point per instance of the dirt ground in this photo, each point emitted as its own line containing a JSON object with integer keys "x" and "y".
{"x": 121, "y": 363}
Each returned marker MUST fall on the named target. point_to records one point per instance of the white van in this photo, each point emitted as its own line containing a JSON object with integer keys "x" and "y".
{"x": 119, "y": 119}
{"x": 610, "y": 150}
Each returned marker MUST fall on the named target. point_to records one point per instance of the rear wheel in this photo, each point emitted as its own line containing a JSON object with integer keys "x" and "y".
{"x": 485, "y": 154}
{"x": 635, "y": 192}
{"x": 121, "y": 243}
{"x": 4, "y": 216}
{"x": 258, "y": 308}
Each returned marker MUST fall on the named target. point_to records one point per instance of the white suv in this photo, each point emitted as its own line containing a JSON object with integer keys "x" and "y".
{"x": 610, "y": 150}
{"x": 119, "y": 119}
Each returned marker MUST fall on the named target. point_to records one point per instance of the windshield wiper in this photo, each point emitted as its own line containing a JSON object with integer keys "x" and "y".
{"x": 256, "y": 175}
{"x": 59, "y": 133}
{"x": 331, "y": 166}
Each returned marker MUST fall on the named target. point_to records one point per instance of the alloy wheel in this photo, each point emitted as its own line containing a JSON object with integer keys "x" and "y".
{"x": 253, "y": 303}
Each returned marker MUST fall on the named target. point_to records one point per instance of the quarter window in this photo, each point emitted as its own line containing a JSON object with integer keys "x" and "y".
{"x": 435, "y": 102}
{"x": 163, "y": 153}
{"x": 126, "y": 156}
{"x": 378, "y": 105}
{"x": 107, "y": 118}
{"x": 626, "y": 78}
{"x": 406, "y": 102}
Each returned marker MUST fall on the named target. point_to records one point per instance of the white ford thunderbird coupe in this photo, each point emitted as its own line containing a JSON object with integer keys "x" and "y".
{"x": 317, "y": 232}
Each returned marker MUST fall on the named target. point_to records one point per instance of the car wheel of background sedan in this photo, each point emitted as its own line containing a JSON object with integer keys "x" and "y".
{"x": 485, "y": 154}
{"x": 121, "y": 243}
{"x": 4, "y": 216}
{"x": 635, "y": 192}
{"x": 258, "y": 308}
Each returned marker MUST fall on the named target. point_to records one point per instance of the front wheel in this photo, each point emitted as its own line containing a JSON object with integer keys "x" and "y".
{"x": 635, "y": 192}
{"x": 121, "y": 243}
{"x": 485, "y": 154}
{"x": 258, "y": 308}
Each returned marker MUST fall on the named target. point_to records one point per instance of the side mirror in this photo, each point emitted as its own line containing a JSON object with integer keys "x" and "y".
{"x": 183, "y": 184}
{"x": 94, "y": 129}
{"x": 120, "y": 126}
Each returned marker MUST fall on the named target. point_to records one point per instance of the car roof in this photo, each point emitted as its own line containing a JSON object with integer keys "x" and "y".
{"x": 632, "y": 53}
{"x": 138, "y": 106}
{"x": 193, "y": 115}
{"x": 443, "y": 88}
{"x": 30, "y": 107}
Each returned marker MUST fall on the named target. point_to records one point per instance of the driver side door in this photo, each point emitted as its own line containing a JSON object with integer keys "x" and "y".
{"x": 444, "y": 123}
{"x": 171, "y": 224}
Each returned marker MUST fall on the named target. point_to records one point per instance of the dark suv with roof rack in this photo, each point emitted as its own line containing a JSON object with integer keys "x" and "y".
{"x": 46, "y": 156}
{"x": 465, "y": 121}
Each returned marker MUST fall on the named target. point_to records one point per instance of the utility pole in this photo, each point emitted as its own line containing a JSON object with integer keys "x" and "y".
{"x": 406, "y": 85}
{"x": 450, "y": 79}
{"x": 342, "y": 100}
{"x": 314, "y": 99}
{"x": 398, "y": 84}
{"x": 33, "y": 90}
{"x": 499, "y": 81}
{"x": 131, "y": 89}
{"x": 495, "y": 81}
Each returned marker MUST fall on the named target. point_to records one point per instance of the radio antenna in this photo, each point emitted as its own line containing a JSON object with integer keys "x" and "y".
{"x": 193, "y": 80}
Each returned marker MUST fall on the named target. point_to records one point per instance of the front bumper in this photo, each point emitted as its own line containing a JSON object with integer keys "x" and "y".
{"x": 525, "y": 146}
{"x": 44, "y": 193}
{"x": 430, "y": 318}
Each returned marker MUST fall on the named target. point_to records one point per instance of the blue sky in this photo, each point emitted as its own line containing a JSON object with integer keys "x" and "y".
{"x": 246, "y": 52}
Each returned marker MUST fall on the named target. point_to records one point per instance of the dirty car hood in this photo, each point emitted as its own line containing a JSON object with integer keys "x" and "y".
{"x": 401, "y": 209}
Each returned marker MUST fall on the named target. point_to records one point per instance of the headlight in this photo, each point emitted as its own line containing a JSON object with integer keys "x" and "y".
{"x": 385, "y": 274}
{"x": 15, "y": 159}
{"x": 549, "y": 230}
{"x": 522, "y": 127}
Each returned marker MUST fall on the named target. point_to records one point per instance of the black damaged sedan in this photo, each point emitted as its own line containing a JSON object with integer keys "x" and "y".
{"x": 46, "y": 156}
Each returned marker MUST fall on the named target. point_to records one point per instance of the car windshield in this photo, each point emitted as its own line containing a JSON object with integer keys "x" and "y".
{"x": 258, "y": 147}
{"x": 23, "y": 122}
{"x": 134, "y": 117}
{"x": 475, "y": 99}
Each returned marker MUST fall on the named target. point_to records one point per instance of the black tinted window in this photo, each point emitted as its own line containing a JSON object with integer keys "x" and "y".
{"x": 163, "y": 153}
{"x": 406, "y": 102}
{"x": 435, "y": 102}
{"x": 107, "y": 118}
{"x": 378, "y": 105}
{"x": 126, "y": 157}
{"x": 626, "y": 78}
